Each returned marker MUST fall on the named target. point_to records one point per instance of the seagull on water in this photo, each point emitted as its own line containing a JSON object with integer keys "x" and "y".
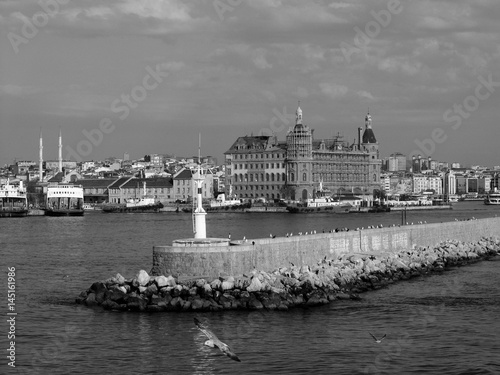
{"x": 213, "y": 341}
{"x": 378, "y": 341}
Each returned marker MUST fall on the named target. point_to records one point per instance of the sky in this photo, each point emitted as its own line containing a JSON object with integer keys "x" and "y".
{"x": 149, "y": 76}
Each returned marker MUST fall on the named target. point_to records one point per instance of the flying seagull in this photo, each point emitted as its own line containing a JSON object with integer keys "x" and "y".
{"x": 213, "y": 341}
{"x": 378, "y": 341}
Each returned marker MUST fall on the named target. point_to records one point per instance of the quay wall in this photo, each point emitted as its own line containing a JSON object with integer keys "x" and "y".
{"x": 271, "y": 253}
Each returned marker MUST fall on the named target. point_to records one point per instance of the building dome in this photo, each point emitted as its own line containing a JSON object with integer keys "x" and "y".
{"x": 368, "y": 135}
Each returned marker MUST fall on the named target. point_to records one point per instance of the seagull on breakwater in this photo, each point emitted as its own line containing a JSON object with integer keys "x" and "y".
{"x": 213, "y": 341}
{"x": 378, "y": 341}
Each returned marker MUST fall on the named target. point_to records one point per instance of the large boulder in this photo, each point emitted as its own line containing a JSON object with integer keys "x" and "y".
{"x": 142, "y": 278}
{"x": 255, "y": 285}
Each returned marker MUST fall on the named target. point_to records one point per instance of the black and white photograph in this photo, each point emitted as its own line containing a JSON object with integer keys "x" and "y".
{"x": 250, "y": 186}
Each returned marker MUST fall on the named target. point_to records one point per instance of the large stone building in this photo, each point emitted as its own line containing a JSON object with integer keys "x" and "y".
{"x": 262, "y": 167}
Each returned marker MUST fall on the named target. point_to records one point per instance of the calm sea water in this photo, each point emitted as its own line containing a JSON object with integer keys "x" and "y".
{"x": 440, "y": 324}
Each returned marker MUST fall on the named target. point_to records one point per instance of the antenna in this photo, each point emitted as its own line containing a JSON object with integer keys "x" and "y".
{"x": 199, "y": 148}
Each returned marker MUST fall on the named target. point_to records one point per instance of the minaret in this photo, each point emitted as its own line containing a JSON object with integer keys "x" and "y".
{"x": 200, "y": 228}
{"x": 60, "y": 151}
{"x": 40, "y": 168}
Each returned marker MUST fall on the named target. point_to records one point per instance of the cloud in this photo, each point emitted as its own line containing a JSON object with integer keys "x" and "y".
{"x": 334, "y": 91}
{"x": 365, "y": 94}
{"x": 18, "y": 91}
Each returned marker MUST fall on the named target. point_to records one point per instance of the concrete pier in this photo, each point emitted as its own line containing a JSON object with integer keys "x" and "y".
{"x": 271, "y": 253}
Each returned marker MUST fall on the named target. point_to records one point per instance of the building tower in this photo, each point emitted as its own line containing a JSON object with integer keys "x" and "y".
{"x": 299, "y": 158}
{"x": 199, "y": 225}
{"x": 60, "y": 151}
{"x": 370, "y": 145}
{"x": 40, "y": 167}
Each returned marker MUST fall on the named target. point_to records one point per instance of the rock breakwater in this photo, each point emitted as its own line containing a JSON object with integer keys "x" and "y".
{"x": 286, "y": 287}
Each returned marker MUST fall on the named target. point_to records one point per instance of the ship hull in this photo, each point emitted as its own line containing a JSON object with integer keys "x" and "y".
{"x": 137, "y": 209}
{"x": 64, "y": 212}
{"x": 13, "y": 213}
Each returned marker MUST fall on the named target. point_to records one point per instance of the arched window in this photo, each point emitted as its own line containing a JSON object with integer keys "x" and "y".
{"x": 283, "y": 176}
{"x": 374, "y": 177}
{"x": 304, "y": 176}
{"x": 292, "y": 177}
{"x": 246, "y": 177}
{"x": 277, "y": 176}
{"x": 235, "y": 178}
{"x": 267, "y": 176}
{"x": 272, "y": 176}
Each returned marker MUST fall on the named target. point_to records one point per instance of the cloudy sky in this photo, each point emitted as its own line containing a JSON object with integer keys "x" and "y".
{"x": 146, "y": 76}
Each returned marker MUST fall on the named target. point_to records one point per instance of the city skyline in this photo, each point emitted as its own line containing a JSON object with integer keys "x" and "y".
{"x": 147, "y": 77}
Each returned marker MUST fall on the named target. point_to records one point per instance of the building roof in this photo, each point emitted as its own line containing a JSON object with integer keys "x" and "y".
{"x": 369, "y": 136}
{"x": 118, "y": 183}
{"x": 258, "y": 143}
{"x": 58, "y": 177}
{"x": 88, "y": 183}
{"x": 184, "y": 174}
{"x": 158, "y": 182}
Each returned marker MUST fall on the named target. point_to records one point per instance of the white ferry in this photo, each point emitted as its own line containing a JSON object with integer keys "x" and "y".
{"x": 493, "y": 197}
{"x": 13, "y": 200}
{"x": 64, "y": 200}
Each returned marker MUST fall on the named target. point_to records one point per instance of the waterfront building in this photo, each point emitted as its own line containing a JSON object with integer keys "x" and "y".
{"x": 255, "y": 168}
{"x": 449, "y": 183}
{"x": 483, "y": 184}
{"x": 423, "y": 183}
{"x": 96, "y": 190}
{"x": 461, "y": 184}
{"x": 125, "y": 188}
{"x": 263, "y": 167}
{"x": 184, "y": 188}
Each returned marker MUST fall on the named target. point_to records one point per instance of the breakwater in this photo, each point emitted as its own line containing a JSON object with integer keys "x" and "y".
{"x": 328, "y": 279}
{"x": 306, "y": 249}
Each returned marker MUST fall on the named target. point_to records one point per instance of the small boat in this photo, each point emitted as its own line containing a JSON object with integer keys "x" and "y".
{"x": 13, "y": 200}
{"x": 64, "y": 200}
{"x": 493, "y": 198}
{"x": 142, "y": 204}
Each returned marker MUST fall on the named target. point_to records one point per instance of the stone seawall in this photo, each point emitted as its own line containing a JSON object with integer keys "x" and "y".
{"x": 327, "y": 280}
{"x": 305, "y": 250}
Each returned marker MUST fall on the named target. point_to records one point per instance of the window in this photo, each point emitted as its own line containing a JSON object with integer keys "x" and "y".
{"x": 304, "y": 176}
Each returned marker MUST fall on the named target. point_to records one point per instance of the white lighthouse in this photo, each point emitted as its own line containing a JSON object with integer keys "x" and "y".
{"x": 200, "y": 239}
{"x": 200, "y": 228}
{"x": 199, "y": 225}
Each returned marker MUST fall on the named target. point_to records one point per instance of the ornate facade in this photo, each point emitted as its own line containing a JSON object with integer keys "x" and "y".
{"x": 302, "y": 167}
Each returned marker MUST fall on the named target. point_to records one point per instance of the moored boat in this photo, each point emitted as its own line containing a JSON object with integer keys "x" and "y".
{"x": 13, "y": 200}
{"x": 64, "y": 200}
{"x": 493, "y": 198}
